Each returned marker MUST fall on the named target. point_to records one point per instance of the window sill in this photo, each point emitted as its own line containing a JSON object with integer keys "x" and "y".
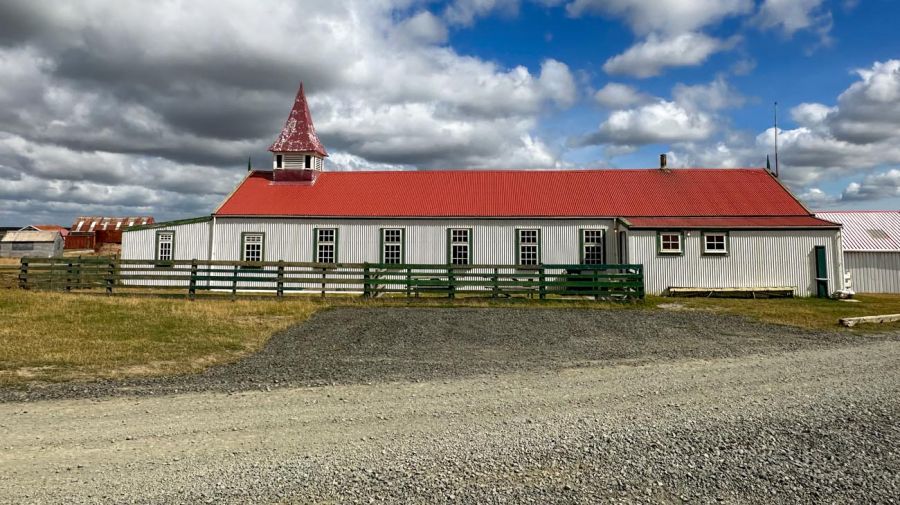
{"x": 670, "y": 253}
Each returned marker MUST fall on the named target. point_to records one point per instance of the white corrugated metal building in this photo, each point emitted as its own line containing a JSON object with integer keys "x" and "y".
{"x": 704, "y": 228}
{"x": 871, "y": 243}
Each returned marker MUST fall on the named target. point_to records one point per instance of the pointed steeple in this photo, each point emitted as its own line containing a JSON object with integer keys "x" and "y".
{"x": 299, "y": 134}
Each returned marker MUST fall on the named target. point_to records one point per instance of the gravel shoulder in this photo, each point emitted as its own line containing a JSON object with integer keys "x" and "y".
{"x": 376, "y": 345}
{"x": 805, "y": 426}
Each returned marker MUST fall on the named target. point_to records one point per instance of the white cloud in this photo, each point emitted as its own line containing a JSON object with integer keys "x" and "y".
{"x": 874, "y": 187}
{"x": 165, "y": 87}
{"x": 619, "y": 96}
{"x": 716, "y": 95}
{"x": 663, "y": 16}
{"x": 464, "y": 12}
{"x": 650, "y": 57}
{"x": 791, "y": 16}
{"x": 658, "y": 122}
{"x": 690, "y": 116}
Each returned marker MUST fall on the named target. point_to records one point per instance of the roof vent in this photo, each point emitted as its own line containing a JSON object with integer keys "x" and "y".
{"x": 662, "y": 163}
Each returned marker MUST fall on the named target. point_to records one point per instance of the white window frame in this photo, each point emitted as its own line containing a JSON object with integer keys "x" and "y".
{"x": 669, "y": 250}
{"x": 529, "y": 252}
{"x": 323, "y": 245}
{"x": 454, "y": 236}
{"x": 165, "y": 238}
{"x": 253, "y": 245}
{"x": 393, "y": 245}
{"x": 717, "y": 234}
{"x": 598, "y": 241}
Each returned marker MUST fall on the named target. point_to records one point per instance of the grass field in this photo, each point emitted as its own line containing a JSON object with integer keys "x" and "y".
{"x": 50, "y": 336}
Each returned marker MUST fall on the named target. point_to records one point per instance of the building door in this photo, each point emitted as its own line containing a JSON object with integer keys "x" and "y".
{"x": 821, "y": 272}
{"x": 622, "y": 250}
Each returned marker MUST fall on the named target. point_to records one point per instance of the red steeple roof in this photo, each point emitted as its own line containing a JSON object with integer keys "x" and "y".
{"x": 299, "y": 134}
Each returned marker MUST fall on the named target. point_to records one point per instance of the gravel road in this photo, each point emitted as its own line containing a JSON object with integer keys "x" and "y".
{"x": 361, "y": 346}
{"x": 679, "y": 417}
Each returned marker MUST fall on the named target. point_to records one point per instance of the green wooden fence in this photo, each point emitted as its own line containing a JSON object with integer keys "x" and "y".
{"x": 368, "y": 279}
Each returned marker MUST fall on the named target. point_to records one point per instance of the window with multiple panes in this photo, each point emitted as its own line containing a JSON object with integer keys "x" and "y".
{"x": 670, "y": 243}
{"x": 715, "y": 243}
{"x": 529, "y": 247}
{"x": 392, "y": 245}
{"x": 592, "y": 247}
{"x": 253, "y": 247}
{"x": 460, "y": 250}
{"x": 165, "y": 245}
{"x": 326, "y": 245}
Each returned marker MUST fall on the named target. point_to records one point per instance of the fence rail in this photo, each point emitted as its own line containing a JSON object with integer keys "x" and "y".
{"x": 368, "y": 279}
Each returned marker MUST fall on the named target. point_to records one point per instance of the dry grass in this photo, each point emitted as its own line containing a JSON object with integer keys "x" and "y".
{"x": 58, "y": 337}
{"x": 817, "y": 313}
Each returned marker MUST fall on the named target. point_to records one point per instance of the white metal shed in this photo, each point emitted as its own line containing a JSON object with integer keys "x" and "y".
{"x": 871, "y": 244}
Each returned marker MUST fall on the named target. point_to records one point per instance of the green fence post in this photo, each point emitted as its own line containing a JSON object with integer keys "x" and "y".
{"x": 542, "y": 289}
{"x": 324, "y": 277}
{"x": 192, "y": 284}
{"x": 366, "y": 292}
{"x": 495, "y": 288}
{"x": 23, "y": 273}
{"x": 451, "y": 286}
{"x": 110, "y": 273}
{"x": 279, "y": 283}
{"x": 596, "y": 285}
{"x": 234, "y": 277}
{"x": 408, "y": 281}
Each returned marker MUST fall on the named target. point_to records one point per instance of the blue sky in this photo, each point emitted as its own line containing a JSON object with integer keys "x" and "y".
{"x": 124, "y": 107}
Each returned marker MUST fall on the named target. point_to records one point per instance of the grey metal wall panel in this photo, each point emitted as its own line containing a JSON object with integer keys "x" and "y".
{"x": 757, "y": 258}
{"x": 874, "y": 272}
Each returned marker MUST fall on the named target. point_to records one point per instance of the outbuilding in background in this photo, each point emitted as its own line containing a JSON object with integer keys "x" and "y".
{"x": 871, "y": 244}
{"x": 31, "y": 243}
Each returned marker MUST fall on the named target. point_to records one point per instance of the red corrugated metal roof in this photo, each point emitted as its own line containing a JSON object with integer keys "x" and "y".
{"x": 731, "y": 222}
{"x": 298, "y": 134}
{"x": 867, "y": 230}
{"x": 523, "y": 193}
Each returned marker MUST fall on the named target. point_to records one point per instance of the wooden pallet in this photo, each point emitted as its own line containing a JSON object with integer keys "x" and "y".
{"x": 754, "y": 292}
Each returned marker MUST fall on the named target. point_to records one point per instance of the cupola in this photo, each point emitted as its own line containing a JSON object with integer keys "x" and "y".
{"x": 298, "y": 154}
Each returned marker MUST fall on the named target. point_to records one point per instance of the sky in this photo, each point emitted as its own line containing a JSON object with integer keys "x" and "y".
{"x": 127, "y": 107}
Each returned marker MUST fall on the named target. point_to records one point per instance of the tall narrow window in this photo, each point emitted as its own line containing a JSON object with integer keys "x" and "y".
{"x": 279, "y": 161}
{"x": 326, "y": 245}
{"x": 252, "y": 247}
{"x": 592, "y": 247}
{"x": 529, "y": 252}
{"x": 392, "y": 245}
{"x": 165, "y": 245}
{"x": 307, "y": 161}
{"x": 460, "y": 241}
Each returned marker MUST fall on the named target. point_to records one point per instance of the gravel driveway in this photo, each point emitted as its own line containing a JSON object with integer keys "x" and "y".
{"x": 371, "y": 345}
{"x": 751, "y": 414}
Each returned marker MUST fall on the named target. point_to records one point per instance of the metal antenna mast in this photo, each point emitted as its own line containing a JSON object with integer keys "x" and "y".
{"x": 776, "y": 139}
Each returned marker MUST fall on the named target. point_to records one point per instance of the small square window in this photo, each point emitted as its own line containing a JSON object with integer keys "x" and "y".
{"x": 670, "y": 243}
{"x": 715, "y": 243}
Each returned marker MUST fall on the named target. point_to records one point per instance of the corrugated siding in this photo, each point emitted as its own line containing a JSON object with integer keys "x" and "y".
{"x": 755, "y": 259}
{"x": 874, "y": 272}
{"x": 494, "y": 241}
{"x": 191, "y": 242}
